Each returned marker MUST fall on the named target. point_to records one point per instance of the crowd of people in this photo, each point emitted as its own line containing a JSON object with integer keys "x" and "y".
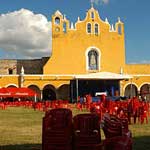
{"x": 135, "y": 109}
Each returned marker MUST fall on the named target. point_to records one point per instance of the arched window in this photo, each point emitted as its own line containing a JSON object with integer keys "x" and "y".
{"x": 64, "y": 27}
{"x": 57, "y": 20}
{"x": 119, "y": 29}
{"x": 145, "y": 91}
{"x": 131, "y": 91}
{"x": 88, "y": 28}
{"x": 10, "y": 71}
{"x": 92, "y": 15}
{"x": 96, "y": 29}
{"x": 92, "y": 60}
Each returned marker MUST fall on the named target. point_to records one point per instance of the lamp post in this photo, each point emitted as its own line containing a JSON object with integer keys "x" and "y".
{"x": 131, "y": 94}
{"x": 77, "y": 87}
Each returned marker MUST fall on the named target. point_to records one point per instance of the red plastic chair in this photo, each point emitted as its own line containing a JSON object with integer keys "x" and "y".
{"x": 115, "y": 138}
{"x": 118, "y": 143}
{"x": 87, "y": 132}
{"x": 57, "y": 129}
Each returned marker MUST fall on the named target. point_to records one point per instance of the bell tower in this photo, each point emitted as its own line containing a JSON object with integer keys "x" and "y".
{"x": 120, "y": 27}
{"x": 60, "y": 24}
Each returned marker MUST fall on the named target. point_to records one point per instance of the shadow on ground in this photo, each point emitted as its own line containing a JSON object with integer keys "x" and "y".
{"x": 141, "y": 143}
{"x": 22, "y": 147}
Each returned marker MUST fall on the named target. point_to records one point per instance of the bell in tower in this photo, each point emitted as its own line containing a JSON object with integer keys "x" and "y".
{"x": 59, "y": 23}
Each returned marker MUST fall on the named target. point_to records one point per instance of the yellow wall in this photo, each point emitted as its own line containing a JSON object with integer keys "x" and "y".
{"x": 6, "y": 80}
{"x": 69, "y": 49}
{"x": 137, "y": 69}
{"x": 140, "y": 74}
{"x": 42, "y": 81}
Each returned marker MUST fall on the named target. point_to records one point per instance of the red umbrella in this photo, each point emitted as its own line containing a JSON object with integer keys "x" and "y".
{"x": 17, "y": 92}
{"x": 4, "y": 92}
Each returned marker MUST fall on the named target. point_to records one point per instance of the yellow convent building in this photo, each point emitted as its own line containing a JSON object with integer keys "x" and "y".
{"x": 87, "y": 57}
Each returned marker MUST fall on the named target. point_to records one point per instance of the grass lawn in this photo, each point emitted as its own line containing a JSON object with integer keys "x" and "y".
{"x": 21, "y": 129}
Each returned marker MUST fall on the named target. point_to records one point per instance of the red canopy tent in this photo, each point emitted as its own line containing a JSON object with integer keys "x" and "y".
{"x": 4, "y": 92}
{"x": 17, "y": 92}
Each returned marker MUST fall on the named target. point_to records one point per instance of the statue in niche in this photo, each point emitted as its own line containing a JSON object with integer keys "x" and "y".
{"x": 92, "y": 61}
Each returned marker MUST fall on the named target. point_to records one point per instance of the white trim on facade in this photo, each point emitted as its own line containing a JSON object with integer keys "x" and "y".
{"x": 103, "y": 75}
{"x": 141, "y": 75}
{"x": 143, "y": 84}
{"x": 33, "y": 85}
{"x": 11, "y": 84}
{"x": 44, "y": 85}
{"x": 124, "y": 87}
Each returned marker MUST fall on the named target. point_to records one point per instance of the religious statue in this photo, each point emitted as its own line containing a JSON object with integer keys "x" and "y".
{"x": 92, "y": 60}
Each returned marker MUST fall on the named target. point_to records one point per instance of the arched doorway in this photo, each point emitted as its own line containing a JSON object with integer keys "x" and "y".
{"x": 130, "y": 91}
{"x": 63, "y": 92}
{"x": 49, "y": 92}
{"x": 37, "y": 90}
{"x": 11, "y": 99}
{"x": 145, "y": 92}
{"x": 11, "y": 86}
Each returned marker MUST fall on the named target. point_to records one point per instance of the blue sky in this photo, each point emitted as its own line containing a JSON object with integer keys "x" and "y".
{"x": 22, "y": 21}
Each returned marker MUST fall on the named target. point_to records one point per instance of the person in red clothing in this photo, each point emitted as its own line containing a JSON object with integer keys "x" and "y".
{"x": 88, "y": 101}
{"x": 122, "y": 114}
{"x": 129, "y": 110}
{"x": 143, "y": 112}
{"x": 88, "y": 98}
{"x": 135, "y": 104}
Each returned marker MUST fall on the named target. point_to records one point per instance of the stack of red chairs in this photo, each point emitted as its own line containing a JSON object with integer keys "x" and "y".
{"x": 87, "y": 132}
{"x": 57, "y": 129}
{"x": 116, "y": 133}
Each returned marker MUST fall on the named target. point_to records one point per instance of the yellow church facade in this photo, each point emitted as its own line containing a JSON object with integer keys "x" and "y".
{"x": 87, "y": 57}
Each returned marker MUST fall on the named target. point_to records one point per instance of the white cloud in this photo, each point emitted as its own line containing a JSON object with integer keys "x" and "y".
{"x": 141, "y": 62}
{"x": 25, "y": 34}
{"x": 100, "y": 1}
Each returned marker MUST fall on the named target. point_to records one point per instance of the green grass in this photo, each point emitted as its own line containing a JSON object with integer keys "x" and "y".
{"x": 141, "y": 136}
{"x": 21, "y": 129}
